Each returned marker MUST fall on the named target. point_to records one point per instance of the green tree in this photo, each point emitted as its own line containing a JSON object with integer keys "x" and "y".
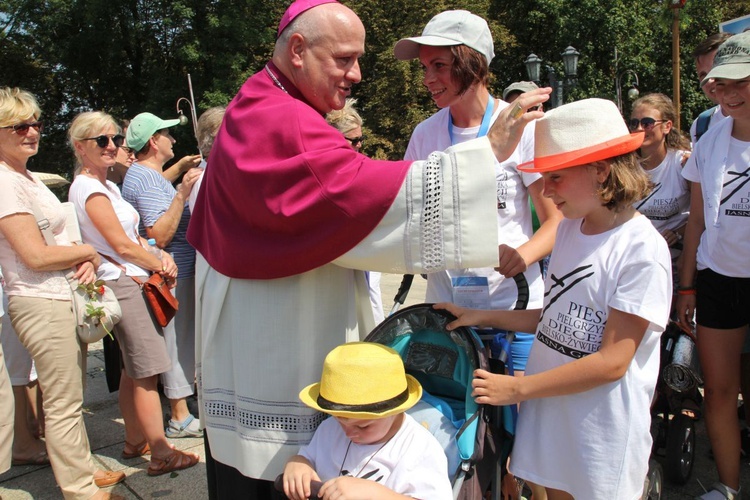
{"x": 129, "y": 56}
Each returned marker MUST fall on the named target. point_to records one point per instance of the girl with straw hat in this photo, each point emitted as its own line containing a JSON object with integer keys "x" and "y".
{"x": 584, "y": 421}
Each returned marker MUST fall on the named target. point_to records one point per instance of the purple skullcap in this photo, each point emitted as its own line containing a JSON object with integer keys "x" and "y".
{"x": 297, "y": 8}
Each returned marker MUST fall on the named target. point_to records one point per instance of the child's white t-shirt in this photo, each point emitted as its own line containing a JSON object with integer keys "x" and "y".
{"x": 595, "y": 444}
{"x": 412, "y": 463}
{"x": 514, "y": 227}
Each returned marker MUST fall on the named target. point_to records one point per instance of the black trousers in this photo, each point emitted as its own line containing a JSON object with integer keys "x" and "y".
{"x": 227, "y": 483}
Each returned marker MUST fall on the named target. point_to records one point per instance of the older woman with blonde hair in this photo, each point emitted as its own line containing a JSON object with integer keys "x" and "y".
{"x": 40, "y": 296}
{"x": 110, "y": 224}
{"x": 349, "y": 123}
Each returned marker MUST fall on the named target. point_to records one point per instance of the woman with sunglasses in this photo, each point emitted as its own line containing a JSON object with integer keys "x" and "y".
{"x": 110, "y": 224}
{"x": 663, "y": 153}
{"x": 40, "y": 297}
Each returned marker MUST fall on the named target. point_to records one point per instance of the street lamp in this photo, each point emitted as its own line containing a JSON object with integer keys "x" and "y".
{"x": 633, "y": 93}
{"x": 191, "y": 106}
{"x": 570, "y": 64}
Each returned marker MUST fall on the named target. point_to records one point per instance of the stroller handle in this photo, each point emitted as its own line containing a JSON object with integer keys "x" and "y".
{"x": 523, "y": 292}
{"x": 403, "y": 291}
{"x": 278, "y": 485}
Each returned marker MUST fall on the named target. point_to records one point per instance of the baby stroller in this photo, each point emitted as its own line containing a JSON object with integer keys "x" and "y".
{"x": 676, "y": 390}
{"x": 476, "y": 439}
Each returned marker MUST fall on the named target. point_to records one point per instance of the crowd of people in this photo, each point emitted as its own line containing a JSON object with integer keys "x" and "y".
{"x": 264, "y": 238}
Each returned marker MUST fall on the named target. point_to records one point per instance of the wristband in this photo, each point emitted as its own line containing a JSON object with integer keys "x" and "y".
{"x": 685, "y": 291}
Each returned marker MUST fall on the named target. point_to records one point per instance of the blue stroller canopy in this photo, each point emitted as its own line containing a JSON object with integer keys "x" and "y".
{"x": 442, "y": 361}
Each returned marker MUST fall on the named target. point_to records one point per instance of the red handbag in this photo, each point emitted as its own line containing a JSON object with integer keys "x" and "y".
{"x": 159, "y": 297}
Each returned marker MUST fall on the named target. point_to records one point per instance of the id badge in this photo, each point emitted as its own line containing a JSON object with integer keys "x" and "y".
{"x": 471, "y": 291}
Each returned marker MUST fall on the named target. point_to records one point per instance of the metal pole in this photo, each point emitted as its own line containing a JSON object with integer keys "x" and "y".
{"x": 676, "y": 65}
{"x": 557, "y": 88}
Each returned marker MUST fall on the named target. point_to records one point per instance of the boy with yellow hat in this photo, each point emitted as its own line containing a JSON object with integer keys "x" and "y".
{"x": 370, "y": 448}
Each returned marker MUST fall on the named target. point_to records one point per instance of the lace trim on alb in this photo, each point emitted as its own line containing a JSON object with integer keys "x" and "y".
{"x": 431, "y": 232}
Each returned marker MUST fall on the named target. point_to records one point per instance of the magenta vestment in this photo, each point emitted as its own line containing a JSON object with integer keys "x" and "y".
{"x": 284, "y": 192}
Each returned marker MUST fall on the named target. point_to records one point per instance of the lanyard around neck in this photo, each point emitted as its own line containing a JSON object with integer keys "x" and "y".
{"x": 483, "y": 128}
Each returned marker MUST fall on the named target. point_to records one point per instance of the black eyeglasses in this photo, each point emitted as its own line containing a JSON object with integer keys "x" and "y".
{"x": 647, "y": 123}
{"x": 23, "y": 128}
{"x": 103, "y": 140}
{"x": 356, "y": 140}
{"x": 129, "y": 151}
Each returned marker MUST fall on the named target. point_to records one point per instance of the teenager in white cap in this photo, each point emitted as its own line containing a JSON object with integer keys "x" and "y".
{"x": 369, "y": 448}
{"x": 715, "y": 277}
{"x": 455, "y": 50}
{"x": 583, "y": 429}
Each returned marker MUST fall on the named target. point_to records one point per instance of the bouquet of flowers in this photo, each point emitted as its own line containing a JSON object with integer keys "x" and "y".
{"x": 97, "y": 311}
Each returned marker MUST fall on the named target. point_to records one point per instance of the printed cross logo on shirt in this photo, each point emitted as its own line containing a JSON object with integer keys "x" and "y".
{"x": 739, "y": 175}
{"x": 560, "y": 282}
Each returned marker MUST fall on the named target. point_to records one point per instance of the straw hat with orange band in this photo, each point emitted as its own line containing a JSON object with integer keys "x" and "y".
{"x": 572, "y": 135}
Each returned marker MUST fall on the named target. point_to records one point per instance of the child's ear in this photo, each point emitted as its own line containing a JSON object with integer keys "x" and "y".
{"x": 601, "y": 170}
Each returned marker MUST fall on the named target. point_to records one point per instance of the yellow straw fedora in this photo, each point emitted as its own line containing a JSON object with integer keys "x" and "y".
{"x": 362, "y": 380}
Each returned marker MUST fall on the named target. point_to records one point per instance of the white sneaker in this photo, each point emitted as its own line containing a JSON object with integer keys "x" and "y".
{"x": 190, "y": 427}
{"x": 720, "y": 491}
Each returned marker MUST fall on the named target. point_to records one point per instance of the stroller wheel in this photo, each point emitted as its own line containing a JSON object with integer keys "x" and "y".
{"x": 680, "y": 451}
{"x": 654, "y": 481}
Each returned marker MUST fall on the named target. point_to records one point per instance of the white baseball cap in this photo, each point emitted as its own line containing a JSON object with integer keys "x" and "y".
{"x": 452, "y": 27}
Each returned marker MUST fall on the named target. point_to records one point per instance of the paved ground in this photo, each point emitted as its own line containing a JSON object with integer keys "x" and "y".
{"x": 106, "y": 435}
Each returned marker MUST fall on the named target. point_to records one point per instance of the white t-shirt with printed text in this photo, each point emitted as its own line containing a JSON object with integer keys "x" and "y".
{"x": 668, "y": 205}
{"x": 723, "y": 244}
{"x": 596, "y": 443}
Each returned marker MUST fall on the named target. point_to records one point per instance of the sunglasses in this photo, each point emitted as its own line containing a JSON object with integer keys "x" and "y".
{"x": 356, "y": 140}
{"x": 129, "y": 151}
{"x": 103, "y": 140}
{"x": 23, "y": 128}
{"x": 647, "y": 123}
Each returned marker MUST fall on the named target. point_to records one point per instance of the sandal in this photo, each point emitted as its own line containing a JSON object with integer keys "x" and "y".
{"x": 176, "y": 460}
{"x": 140, "y": 450}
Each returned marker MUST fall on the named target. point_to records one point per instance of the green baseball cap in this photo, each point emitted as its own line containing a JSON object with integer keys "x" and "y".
{"x": 732, "y": 60}
{"x": 143, "y": 126}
